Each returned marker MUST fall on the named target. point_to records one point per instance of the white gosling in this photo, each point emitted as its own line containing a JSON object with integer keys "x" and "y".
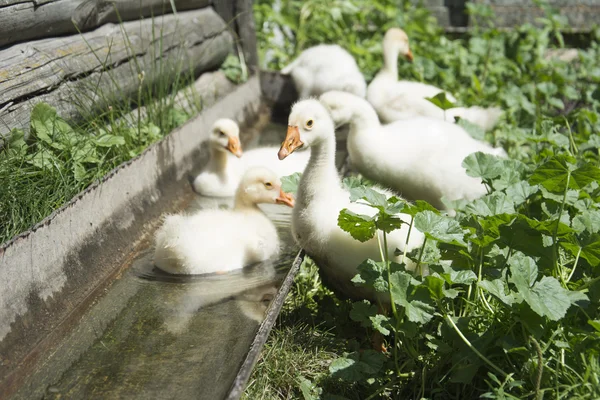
{"x": 228, "y": 163}
{"x": 395, "y": 100}
{"x": 420, "y": 158}
{"x": 325, "y": 67}
{"x": 321, "y": 197}
{"x": 219, "y": 240}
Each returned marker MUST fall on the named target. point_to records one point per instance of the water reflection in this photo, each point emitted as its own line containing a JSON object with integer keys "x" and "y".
{"x": 155, "y": 335}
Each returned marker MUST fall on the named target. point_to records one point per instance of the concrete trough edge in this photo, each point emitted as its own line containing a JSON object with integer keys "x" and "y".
{"x": 47, "y": 271}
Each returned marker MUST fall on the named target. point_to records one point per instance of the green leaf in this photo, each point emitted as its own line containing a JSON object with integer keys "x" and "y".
{"x": 362, "y": 311}
{"x": 380, "y": 322}
{"x": 483, "y": 165}
{"x": 42, "y": 122}
{"x": 548, "y": 298}
{"x": 588, "y": 221}
{"x": 357, "y": 366}
{"x": 79, "y": 172}
{"x": 289, "y": 184}
{"x": 416, "y": 310}
{"x": 497, "y": 288}
{"x": 440, "y": 228}
{"x": 590, "y": 249}
{"x": 371, "y": 273}
{"x": 360, "y": 227}
{"x": 491, "y": 204}
{"x": 524, "y": 271}
{"x": 108, "y": 140}
{"x": 441, "y": 101}
{"x": 372, "y": 196}
{"x": 472, "y": 129}
{"x": 309, "y": 390}
{"x": 554, "y": 173}
{"x": 519, "y": 192}
{"x": 595, "y": 324}
{"x": 461, "y": 277}
{"x": 417, "y": 207}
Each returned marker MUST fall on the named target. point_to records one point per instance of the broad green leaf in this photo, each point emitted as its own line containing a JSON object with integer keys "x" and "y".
{"x": 590, "y": 249}
{"x": 371, "y": 196}
{"x": 586, "y": 174}
{"x": 417, "y": 207}
{"x": 548, "y": 298}
{"x": 308, "y": 389}
{"x": 43, "y": 159}
{"x": 440, "y": 228}
{"x": 497, "y": 288}
{"x": 472, "y": 129}
{"x": 558, "y": 170}
{"x": 524, "y": 271}
{"x": 491, "y": 204}
{"x": 360, "y": 227}
{"x": 452, "y": 276}
{"x": 381, "y": 323}
{"x": 371, "y": 273}
{"x": 416, "y": 311}
{"x": 357, "y": 366}
{"x": 362, "y": 311}
{"x": 79, "y": 172}
{"x": 435, "y": 285}
{"x": 519, "y": 192}
{"x": 507, "y": 178}
{"x": 42, "y": 122}
{"x": 289, "y": 184}
{"x": 441, "y": 101}
{"x": 588, "y": 220}
{"x": 595, "y": 324}
{"x": 108, "y": 140}
{"x": 483, "y": 165}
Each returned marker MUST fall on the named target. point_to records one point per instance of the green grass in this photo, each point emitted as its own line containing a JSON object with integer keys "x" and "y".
{"x": 511, "y": 307}
{"x": 59, "y": 159}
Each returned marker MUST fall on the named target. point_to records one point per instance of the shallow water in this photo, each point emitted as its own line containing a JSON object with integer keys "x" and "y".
{"x": 151, "y": 335}
{"x": 155, "y": 335}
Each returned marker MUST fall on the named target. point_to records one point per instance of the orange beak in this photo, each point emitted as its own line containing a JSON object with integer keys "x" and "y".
{"x": 292, "y": 142}
{"x": 234, "y": 146}
{"x": 409, "y": 56}
{"x": 285, "y": 198}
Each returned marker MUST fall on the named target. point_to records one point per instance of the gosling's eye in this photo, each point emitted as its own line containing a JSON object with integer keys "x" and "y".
{"x": 309, "y": 124}
{"x": 221, "y": 133}
{"x": 268, "y": 185}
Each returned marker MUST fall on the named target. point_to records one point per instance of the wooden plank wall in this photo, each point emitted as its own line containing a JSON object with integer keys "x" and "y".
{"x": 43, "y": 57}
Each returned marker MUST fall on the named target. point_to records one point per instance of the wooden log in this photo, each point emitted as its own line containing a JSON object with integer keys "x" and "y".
{"x": 90, "y": 72}
{"x": 240, "y": 18}
{"x": 26, "y": 20}
{"x": 581, "y": 15}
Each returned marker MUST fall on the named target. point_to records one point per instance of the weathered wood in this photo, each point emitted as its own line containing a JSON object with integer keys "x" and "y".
{"x": 240, "y": 18}
{"x": 34, "y": 19}
{"x": 97, "y": 69}
{"x": 582, "y": 15}
{"x": 246, "y": 30}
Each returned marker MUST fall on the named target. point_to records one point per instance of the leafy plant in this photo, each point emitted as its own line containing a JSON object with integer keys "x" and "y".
{"x": 508, "y": 307}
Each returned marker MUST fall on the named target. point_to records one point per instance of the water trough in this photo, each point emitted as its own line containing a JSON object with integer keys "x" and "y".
{"x": 83, "y": 312}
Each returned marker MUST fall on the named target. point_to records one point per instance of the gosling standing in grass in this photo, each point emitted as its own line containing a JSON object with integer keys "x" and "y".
{"x": 216, "y": 240}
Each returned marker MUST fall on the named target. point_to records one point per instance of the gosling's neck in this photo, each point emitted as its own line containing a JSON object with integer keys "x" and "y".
{"x": 320, "y": 176}
{"x": 219, "y": 160}
{"x": 390, "y": 61}
{"x": 242, "y": 203}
